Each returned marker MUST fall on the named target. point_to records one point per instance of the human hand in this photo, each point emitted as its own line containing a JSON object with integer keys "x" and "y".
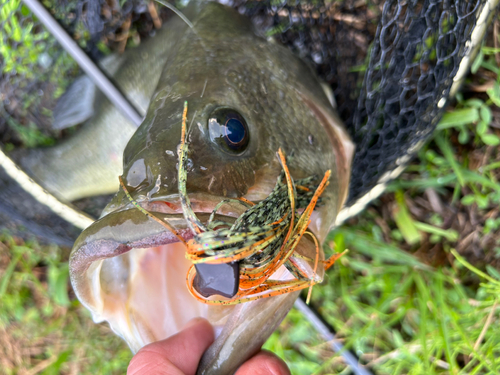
{"x": 181, "y": 353}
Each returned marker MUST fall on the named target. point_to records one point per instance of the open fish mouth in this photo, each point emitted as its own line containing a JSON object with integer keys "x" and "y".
{"x": 130, "y": 271}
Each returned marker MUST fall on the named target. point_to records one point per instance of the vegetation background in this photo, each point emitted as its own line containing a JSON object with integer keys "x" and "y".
{"x": 416, "y": 294}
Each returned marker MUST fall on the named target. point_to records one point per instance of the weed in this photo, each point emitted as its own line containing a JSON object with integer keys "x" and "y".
{"x": 42, "y": 325}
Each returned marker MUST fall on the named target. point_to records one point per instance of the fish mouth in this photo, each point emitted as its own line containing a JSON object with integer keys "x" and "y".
{"x": 131, "y": 271}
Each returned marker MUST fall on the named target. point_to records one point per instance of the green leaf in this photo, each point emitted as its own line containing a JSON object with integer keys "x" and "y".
{"x": 382, "y": 251}
{"x": 273, "y": 344}
{"x": 491, "y": 66}
{"x": 24, "y": 10}
{"x": 300, "y": 334}
{"x": 339, "y": 242}
{"x": 449, "y": 234}
{"x": 8, "y": 274}
{"x": 490, "y": 50}
{"x": 468, "y": 200}
{"x": 482, "y": 127}
{"x": 476, "y": 178}
{"x": 463, "y": 136}
{"x": 482, "y": 201}
{"x": 493, "y": 272}
{"x": 16, "y": 29}
{"x": 58, "y": 283}
{"x": 458, "y": 118}
{"x": 55, "y": 367}
{"x": 474, "y": 269}
{"x": 485, "y": 113}
{"x": 448, "y": 153}
{"x": 474, "y": 103}
{"x": 404, "y": 221}
{"x": 490, "y": 139}
{"x": 477, "y": 62}
{"x": 494, "y": 94}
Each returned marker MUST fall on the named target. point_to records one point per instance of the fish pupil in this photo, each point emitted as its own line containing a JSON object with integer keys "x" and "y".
{"x": 235, "y": 131}
{"x": 229, "y": 130}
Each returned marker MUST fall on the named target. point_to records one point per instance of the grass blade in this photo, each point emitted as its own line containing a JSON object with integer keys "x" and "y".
{"x": 447, "y": 151}
{"x": 8, "y": 273}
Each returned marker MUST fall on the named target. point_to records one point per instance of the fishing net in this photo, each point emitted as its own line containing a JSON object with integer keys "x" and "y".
{"x": 391, "y": 64}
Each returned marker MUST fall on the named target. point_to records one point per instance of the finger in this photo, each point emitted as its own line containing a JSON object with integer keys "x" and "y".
{"x": 177, "y": 355}
{"x": 264, "y": 363}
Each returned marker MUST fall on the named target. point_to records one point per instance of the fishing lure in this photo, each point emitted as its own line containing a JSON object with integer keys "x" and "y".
{"x": 262, "y": 240}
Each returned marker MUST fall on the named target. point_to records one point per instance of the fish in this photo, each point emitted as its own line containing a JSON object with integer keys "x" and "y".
{"x": 248, "y": 98}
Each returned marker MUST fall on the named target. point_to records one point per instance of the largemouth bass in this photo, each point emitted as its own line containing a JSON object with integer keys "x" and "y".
{"x": 248, "y": 98}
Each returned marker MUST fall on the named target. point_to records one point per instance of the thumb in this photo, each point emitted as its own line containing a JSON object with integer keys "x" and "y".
{"x": 177, "y": 355}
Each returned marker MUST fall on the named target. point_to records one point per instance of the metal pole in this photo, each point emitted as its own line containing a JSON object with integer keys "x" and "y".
{"x": 87, "y": 65}
{"x": 329, "y": 336}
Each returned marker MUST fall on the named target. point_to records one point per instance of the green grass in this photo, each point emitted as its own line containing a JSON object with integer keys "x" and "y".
{"x": 397, "y": 314}
{"x": 44, "y": 329}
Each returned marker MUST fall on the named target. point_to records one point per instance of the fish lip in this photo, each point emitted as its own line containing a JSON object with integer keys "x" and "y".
{"x": 118, "y": 233}
{"x": 200, "y": 203}
{"x": 170, "y": 204}
{"x": 127, "y": 228}
{"x": 114, "y": 234}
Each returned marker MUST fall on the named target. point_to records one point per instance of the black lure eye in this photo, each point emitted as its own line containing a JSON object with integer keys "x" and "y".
{"x": 229, "y": 130}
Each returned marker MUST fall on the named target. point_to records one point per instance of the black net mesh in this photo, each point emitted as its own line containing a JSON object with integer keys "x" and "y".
{"x": 416, "y": 54}
{"x": 389, "y": 63}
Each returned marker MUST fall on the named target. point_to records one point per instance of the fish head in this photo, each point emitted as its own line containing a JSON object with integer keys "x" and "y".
{"x": 247, "y": 97}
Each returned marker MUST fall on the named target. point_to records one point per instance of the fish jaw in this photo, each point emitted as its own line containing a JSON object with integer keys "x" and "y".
{"x": 117, "y": 256}
{"x": 130, "y": 271}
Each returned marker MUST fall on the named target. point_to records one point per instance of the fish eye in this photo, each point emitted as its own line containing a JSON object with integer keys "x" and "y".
{"x": 229, "y": 130}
